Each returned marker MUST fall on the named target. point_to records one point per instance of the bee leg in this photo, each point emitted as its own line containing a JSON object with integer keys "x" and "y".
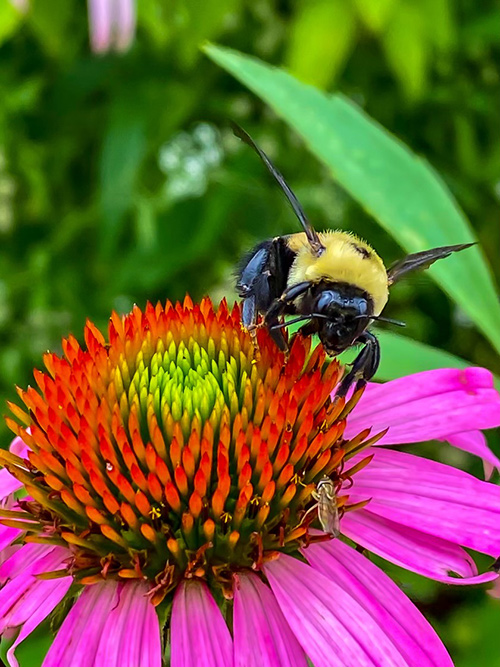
{"x": 278, "y": 309}
{"x": 249, "y": 321}
{"x": 364, "y": 366}
{"x": 249, "y": 313}
{"x": 253, "y": 285}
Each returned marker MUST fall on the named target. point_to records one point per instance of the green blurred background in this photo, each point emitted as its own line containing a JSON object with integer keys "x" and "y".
{"x": 121, "y": 182}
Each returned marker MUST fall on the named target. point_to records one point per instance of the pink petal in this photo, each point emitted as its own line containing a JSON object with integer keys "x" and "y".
{"x": 124, "y": 23}
{"x": 49, "y": 594}
{"x": 21, "y": 5}
{"x": 26, "y": 600}
{"x": 495, "y": 591}
{"x": 432, "y": 498}
{"x": 19, "y": 447}
{"x": 332, "y": 627}
{"x": 7, "y": 536}
{"x": 78, "y": 638}
{"x": 100, "y": 23}
{"x": 132, "y": 631}
{"x": 112, "y": 624}
{"x": 424, "y": 554}
{"x": 8, "y": 483}
{"x": 199, "y": 634}
{"x": 475, "y": 443}
{"x": 429, "y": 405}
{"x": 262, "y": 637}
{"x": 383, "y": 601}
{"x": 33, "y": 559}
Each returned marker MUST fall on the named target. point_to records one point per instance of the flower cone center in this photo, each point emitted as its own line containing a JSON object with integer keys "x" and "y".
{"x": 176, "y": 449}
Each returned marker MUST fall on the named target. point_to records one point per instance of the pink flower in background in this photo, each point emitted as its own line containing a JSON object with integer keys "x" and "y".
{"x": 169, "y": 466}
{"x": 111, "y": 24}
{"x": 20, "y": 5}
{"x": 495, "y": 591}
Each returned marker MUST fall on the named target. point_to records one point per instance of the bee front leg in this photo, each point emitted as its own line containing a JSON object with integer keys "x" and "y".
{"x": 249, "y": 319}
{"x": 279, "y": 308}
{"x": 364, "y": 366}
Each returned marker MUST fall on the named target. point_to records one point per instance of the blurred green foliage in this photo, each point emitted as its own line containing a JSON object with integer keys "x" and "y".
{"x": 120, "y": 182}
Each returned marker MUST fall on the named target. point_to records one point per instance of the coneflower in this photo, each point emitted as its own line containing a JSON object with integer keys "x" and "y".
{"x": 170, "y": 473}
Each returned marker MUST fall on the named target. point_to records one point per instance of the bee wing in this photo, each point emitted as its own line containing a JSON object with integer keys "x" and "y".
{"x": 312, "y": 235}
{"x": 421, "y": 260}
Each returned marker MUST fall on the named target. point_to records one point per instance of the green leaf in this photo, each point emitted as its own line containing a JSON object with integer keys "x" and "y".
{"x": 318, "y": 61}
{"x": 403, "y": 193}
{"x": 375, "y": 14}
{"x": 440, "y": 19}
{"x": 10, "y": 18}
{"x": 31, "y": 652}
{"x": 198, "y": 20}
{"x": 402, "y": 356}
{"x": 123, "y": 149}
{"x": 52, "y": 22}
{"x": 406, "y": 49}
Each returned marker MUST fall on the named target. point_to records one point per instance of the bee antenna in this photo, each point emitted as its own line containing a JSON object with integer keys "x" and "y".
{"x": 389, "y": 320}
{"x": 302, "y": 318}
{"x": 312, "y": 235}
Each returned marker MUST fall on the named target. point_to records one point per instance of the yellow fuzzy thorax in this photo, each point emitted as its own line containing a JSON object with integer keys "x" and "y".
{"x": 346, "y": 259}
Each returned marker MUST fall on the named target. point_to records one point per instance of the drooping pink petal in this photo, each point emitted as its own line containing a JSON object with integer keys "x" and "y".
{"x": 424, "y": 554}
{"x": 475, "y": 443}
{"x": 8, "y": 483}
{"x": 100, "y": 24}
{"x": 7, "y": 536}
{"x": 124, "y": 23}
{"x": 332, "y": 626}
{"x": 49, "y": 594}
{"x": 19, "y": 447}
{"x": 431, "y": 497}
{"x": 382, "y": 599}
{"x": 199, "y": 634}
{"x": 428, "y": 405}
{"x": 112, "y": 624}
{"x": 26, "y": 600}
{"x": 33, "y": 559}
{"x": 23, "y": 590}
{"x": 262, "y": 637}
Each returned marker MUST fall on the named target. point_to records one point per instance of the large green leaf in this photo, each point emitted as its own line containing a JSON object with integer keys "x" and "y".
{"x": 400, "y": 190}
{"x": 402, "y": 356}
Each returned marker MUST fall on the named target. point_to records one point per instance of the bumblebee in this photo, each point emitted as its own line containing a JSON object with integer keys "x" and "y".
{"x": 333, "y": 281}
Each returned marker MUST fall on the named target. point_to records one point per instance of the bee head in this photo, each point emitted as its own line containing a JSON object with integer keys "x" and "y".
{"x": 343, "y": 312}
